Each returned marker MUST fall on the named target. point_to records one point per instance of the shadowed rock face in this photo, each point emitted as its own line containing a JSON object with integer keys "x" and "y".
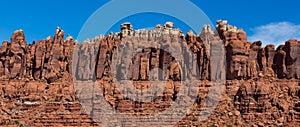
{"x": 39, "y": 77}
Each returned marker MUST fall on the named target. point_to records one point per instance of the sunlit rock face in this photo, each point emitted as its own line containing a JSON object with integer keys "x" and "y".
{"x": 261, "y": 89}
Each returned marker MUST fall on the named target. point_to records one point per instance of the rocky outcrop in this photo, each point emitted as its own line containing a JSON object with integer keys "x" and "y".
{"x": 249, "y": 60}
{"x": 292, "y": 58}
{"x": 268, "y": 102}
{"x": 50, "y": 59}
{"x": 262, "y": 88}
{"x": 45, "y": 60}
{"x": 16, "y": 52}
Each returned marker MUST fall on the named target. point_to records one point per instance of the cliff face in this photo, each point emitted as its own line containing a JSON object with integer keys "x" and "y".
{"x": 262, "y": 86}
{"x": 46, "y": 60}
{"x": 50, "y": 59}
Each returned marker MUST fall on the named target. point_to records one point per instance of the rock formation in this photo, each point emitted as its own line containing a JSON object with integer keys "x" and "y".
{"x": 262, "y": 86}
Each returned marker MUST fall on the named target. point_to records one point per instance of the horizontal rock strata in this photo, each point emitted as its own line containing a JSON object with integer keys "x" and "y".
{"x": 262, "y": 85}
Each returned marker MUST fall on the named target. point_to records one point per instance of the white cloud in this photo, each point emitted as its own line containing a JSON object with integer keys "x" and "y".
{"x": 275, "y": 33}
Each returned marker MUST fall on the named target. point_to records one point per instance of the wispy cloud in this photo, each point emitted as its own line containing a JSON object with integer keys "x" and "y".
{"x": 275, "y": 33}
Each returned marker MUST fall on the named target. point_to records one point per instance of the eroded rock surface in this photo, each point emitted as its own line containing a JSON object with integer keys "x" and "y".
{"x": 262, "y": 87}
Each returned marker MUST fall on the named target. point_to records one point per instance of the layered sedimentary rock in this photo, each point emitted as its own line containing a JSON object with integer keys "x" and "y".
{"x": 262, "y": 85}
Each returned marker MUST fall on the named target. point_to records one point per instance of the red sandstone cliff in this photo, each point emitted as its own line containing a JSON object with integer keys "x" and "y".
{"x": 262, "y": 87}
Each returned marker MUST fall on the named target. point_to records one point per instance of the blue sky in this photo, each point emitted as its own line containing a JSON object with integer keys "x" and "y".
{"x": 269, "y": 21}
